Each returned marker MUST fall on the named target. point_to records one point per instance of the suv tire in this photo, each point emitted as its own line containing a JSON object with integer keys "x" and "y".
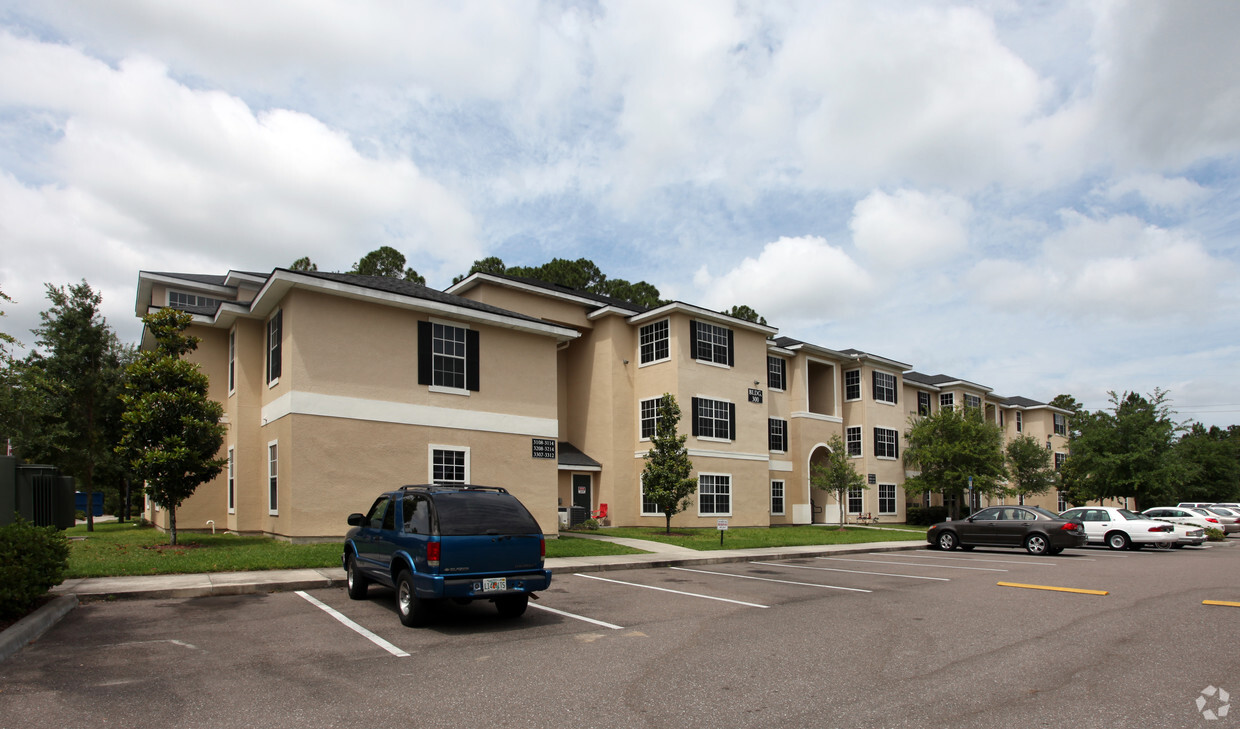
{"x": 414, "y": 611}
{"x": 512, "y": 606}
{"x": 356, "y": 583}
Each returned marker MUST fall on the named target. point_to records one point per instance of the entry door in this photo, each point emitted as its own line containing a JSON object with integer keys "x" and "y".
{"x": 581, "y": 491}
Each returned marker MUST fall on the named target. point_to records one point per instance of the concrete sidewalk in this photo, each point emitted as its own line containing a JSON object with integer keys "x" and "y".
{"x": 69, "y": 592}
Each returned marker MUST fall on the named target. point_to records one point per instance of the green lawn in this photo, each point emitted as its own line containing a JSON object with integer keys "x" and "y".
{"x": 747, "y": 538}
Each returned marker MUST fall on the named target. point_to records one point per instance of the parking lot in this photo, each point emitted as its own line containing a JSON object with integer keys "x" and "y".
{"x": 908, "y": 638}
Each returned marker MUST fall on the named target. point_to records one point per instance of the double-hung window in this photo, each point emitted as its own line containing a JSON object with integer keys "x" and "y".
{"x": 232, "y": 359}
{"x": 852, "y": 385}
{"x": 777, "y": 498}
{"x": 886, "y": 498}
{"x": 923, "y": 403}
{"x": 714, "y": 419}
{"x": 776, "y": 373}
{"x": 884, "y": 387}
{"x": 449, "y": 465}
{"x": 886, "y": 443}
{"x": 711, "y": 343}
{"x": 273, "y": 478}
{"x": 854, "y": 501}
{"x": 714, "y": 494}
{"x": 649, "y": 417}
{"x": 1020, "y": 422}
{"x": 649, "y": 508}
{"x": 947, "y": 401}
{"x": 275, "y": 326}
{"x": 448, "y": 357}
{"x": 972, "y": 402}
{"x": 1059, "y": 460}
{"x": 778, "y": 434}
{"x": 852, "y": 441}
{"x": 1061, "y": 424}
{"x": 653, "y": 343}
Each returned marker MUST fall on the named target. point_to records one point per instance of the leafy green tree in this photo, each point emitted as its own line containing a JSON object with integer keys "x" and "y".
{"x": 665, "y": 477}
{"x": 76, "y": 374}
{"x": 746, "y": 313}
{"x": 1211, "y": 458}
{"x": 6, "y": 340}
{"x": 581, "y": 274}
{"x": 1125, "y": 452}
{"x": 305, "y": 264}
{"x": 389, "y": 262}
{"x": 491, "y": 264}
{"x": 1067, "y": 402}
{"x": 837, "y": 475}
{"x": 1030, "y": 466}
{"x": 641, "y": 293}
{"x": 950, "y": 446}
{"x": 173, "y": 432}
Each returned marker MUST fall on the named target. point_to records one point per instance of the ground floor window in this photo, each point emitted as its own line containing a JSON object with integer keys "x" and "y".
{"x": 714, "y": 494}
{"x": 886, "y": 498}
{"x": 777, "y": 497}
{"x": 1061, "y": 501}
{"x": 449, "y": 465}
{"x": 649, "y": 508}
{"x": 854, "y": 501}
{"x": 273, "y": 479}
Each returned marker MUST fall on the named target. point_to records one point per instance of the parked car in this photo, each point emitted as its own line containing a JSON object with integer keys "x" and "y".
{"x": 1188, "y": 535}
{"x": 1194, "y": 504}
{"x": 1037, "y": 530}
{"x": 1228, "y": 518}
{"x": 434, "y": 542}
{"x": 1176, "y": 515}
{"x": 1121, "y": 528}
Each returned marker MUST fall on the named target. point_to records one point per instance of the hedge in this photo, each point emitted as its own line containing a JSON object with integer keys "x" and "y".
{"x": 33, "y": 560}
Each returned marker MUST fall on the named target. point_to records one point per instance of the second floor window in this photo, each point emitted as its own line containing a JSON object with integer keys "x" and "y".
{"x": 1061, "y": 424}
{"x": 448, "y": 356}
{"x": 714, "y": 418}
{"x": 852, "y": 440}
{"x": 885, "y": 443}
{"x": 654, "y": 342}
{"x": 711, "y": 343}
{"x": 649, "y": 417}
{"x": 275, "y": 326}
{"x": 778, "y": 440}
{"x": 776, "y": 374}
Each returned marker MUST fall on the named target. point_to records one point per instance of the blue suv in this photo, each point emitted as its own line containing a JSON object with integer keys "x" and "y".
{"x": 447, "y": 541}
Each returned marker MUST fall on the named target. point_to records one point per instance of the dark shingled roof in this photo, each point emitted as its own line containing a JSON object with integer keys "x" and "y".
{"x": 570, "y": 456}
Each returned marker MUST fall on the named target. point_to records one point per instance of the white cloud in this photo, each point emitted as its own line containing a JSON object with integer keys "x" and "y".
{"x": 793, "y": 280}
{"x": 910, "y": 228}
{"x": 1170, "y": 193}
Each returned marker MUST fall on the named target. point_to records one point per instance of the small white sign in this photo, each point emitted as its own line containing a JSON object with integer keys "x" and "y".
{"x": 721, "y": 524}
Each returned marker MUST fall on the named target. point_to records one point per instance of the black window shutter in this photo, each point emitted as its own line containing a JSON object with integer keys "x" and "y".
{"x": 425, "y": 345}
{"x": 895, "y": 390}
{"x": 694, "y": 405}
{"x": 731, "y": 349}
{"x": 471, "y": 359}
{"x": 783, "y": 437}
{"x": 731, "y": 421}
{"x": 895, "y": 446}
{"x": 693, "y": 339}
{"x": 874, "y": 382}
{"x": 877, "y": 448}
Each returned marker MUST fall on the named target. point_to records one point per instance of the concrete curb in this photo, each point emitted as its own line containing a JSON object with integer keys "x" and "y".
{"x": 33, "y": 626}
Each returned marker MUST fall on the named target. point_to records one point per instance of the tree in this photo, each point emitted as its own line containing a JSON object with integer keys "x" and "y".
{"x": 746, "y": 313}
{"x": 1125, "y": 452}
{"x": 948, "y": 448}
{"x": 580, "y": 275}
{"x": 1067, "y": 402}
{"x": 1030, "y": 466}
{"x": 76, "y": 377}
{"x": 173, "y": 432}
{"x": 1211, "y": 457}
{"x": 665, "y": 478}
{"x": 304, "y": 264}
{"x": 6, "y": 340}
{"x": 389, "y": 262}
{"x": 837, "y": 475}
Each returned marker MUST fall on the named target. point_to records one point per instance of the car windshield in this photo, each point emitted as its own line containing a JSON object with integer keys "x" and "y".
{"x": 1221, "y": 511}
{"x": 482, "y": 512}
{"x": 1042, "y": 512}
{"x": 1131, "y": 516}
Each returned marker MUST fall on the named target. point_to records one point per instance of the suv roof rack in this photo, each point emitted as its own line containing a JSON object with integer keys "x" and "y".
{"x": 456, "y": 486}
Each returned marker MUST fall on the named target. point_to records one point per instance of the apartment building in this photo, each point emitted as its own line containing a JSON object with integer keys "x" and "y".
{"x": 339, "y": 386}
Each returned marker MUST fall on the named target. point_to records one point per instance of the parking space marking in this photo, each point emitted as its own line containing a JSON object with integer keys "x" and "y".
{"x": 917, "y": 564}
{"x": 360, "y": 630}
{"x": 1077, "y": 590}
{"x": 771, "y": 579}
{"x": 855, "y": 572}
{"x": 969, "y": 559}
{"x": 675, "y": 592}
{"x": 577, "y": 617}
{"x": 1220, "y": 602}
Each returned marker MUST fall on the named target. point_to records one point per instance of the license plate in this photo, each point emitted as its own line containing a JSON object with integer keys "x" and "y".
{"x": 494, "y": 584}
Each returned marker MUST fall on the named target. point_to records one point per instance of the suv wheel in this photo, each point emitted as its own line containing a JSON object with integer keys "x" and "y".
{"x": 512, "y": 606}
{"x": 356, "y": 582}
{"x": 414, "y": 611}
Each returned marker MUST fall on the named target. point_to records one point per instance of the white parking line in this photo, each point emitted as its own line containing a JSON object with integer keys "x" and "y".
{"x": 771, "y": 579}
{"x": 969, "y": 559}
{"x": 362, "y": 631}
{"x": 577, "y": 617}
{"x": 675, "y": 592}
{"x": 916, "y": 564}
{"x": 855, "y": 572}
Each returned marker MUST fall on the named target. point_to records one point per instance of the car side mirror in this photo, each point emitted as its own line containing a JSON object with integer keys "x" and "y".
{"x": 356, "y": 519}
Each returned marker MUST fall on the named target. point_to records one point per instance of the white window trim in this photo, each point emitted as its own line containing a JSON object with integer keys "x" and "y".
{"x": 668, "y": 358}
{"x": 860, "y": 386}
{"x": 232, "y": 480}
{"x": 267, "y": 346}
{"x": 714, "y": 438}
{"x": 447, "y": 390}
{"x": 894, "y": 499}
{"x": 848, "y": 498}
{"x": 784, "y": 487}
{"x": 430, "y": 459}
{"x": 641, "y": 497}
{"x": 640, "y": 437}
{"x": 731, "y": 495}
{"x": 897, "y": 444}
{"x": 440, "y": 388}
{"x": 895, "y": 388}
{"x": 276, "y": 510}
{"x": 860, "y": 439}
{"x": 768, "y": 433}
{"x": 712, "y": 362}
{"x": 768, "y": 374}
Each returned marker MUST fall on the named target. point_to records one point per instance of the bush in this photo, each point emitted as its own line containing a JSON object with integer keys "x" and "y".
{"x": 33, "y": 560}
{"x": 1215, "y": 535}
{"x": 588, "y": 524}
{"x": 926, "y": 515}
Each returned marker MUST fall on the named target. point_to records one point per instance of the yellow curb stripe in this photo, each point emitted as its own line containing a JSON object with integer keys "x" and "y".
{"x": 1055, "y": 589}
{"x": 1220, "y": 602}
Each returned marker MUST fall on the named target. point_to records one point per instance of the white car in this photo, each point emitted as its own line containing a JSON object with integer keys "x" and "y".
{"x": 1176, "y": 515}
{"x": 1227, "y": 519}
{"x": 1121, "y": 528}
{"x": 1188, "y": 535}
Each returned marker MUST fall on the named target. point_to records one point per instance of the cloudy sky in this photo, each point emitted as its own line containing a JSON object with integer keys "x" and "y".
{"x": 1042, "y": 197}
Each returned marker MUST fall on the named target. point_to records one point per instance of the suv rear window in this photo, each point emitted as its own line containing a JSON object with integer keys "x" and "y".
{"x": 481, "y": 512}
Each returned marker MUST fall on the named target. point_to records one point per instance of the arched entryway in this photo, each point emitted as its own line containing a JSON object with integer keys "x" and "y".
{"x": 825, "y": 509}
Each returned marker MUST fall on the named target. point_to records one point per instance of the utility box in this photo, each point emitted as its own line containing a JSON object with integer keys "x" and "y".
{"x": 39, "y": 494}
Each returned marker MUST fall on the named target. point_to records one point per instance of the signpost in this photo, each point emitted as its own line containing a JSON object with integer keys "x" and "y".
{"x": 722, "y": 526}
